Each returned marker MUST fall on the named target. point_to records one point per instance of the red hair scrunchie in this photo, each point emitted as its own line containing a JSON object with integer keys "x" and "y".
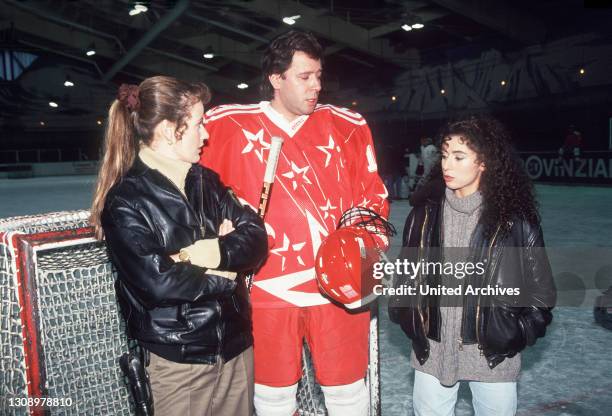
{"x": 128, "y": 96}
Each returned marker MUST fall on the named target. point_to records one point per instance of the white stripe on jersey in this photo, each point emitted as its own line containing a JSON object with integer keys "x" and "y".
{"x": 225, "y": 107}
{"x": 229, "y": 113}
{"x": 344, "y": 113}
{"x": 344, "y": 110}
{"x": 230, "y": 109}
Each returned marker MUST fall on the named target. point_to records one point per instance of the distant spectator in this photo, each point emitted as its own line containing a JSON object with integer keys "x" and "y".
{"x": 572, "y": 145}
{"x": 429, "y": 155}
{"x": 411, "y": 162}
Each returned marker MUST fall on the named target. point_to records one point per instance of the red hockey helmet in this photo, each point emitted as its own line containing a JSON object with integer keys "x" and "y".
{"x": 344, "y": 266}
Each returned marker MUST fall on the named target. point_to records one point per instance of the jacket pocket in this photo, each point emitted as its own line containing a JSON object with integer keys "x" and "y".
{"x": 503, "y": 332}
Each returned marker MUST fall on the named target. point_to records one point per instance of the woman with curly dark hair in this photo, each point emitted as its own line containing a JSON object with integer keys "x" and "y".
{"x": 484, "y": 290}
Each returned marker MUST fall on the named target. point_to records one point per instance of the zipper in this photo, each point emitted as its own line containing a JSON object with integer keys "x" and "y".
{"x": 202, "y": 232}
{"x": 421, "y": 246}
{"x": 201, "y": 194}
{"x": 217, "y": 304}
{"x": 219, "y": 332}
{"x": 195, "y": 215}
{"x": 460, "y": 338}
{"x": 478, "y": 301}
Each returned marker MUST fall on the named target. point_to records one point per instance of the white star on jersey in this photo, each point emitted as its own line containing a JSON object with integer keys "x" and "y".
{"x": 325, "y": 208}
{"x": 364, "y": 202}
{"x": 287, "y": 247}
{"x": 255, "y": 138}
{"x": 325, "y": 149}
{"x": 294, "y": 172}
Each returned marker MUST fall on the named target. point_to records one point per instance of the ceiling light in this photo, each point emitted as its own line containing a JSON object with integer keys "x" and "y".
{"x": 91, "y": 50}
{"x": 208, "y": 53}
{"x": 242, "y": 86}
{"x": 68, "y": 82}
{"x": 290, "y": 20}
{"x": 138, "y": 8}
{"x": 418, "y": 26}
{"x": 53, "y": 104}
{"x": 407, "y": 27}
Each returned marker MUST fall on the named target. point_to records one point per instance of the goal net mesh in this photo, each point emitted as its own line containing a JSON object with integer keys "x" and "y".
{"x": 61, "y": 333}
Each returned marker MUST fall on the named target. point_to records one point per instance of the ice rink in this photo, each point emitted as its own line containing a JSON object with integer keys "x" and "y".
{"x": 566, "y": 373}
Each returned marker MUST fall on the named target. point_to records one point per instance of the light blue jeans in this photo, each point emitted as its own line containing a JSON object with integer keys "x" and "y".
{"x": 430, "y": 398}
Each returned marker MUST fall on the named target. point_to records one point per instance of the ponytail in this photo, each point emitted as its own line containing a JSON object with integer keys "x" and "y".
{"x": 120, "y": 149}
{"x": 132, "y": 118}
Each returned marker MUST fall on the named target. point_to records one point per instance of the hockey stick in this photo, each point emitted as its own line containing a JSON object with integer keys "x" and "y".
{"x": 266, "y": 188}
{"x": 275, "y": 148}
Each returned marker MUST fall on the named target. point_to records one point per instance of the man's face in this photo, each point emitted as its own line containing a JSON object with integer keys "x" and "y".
{"x": 297, "y": 90}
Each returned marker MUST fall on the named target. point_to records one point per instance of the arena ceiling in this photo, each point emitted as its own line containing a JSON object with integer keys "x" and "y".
{"x": 44, "y": 43}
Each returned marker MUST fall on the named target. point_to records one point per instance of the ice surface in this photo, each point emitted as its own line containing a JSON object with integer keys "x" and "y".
{"x": 567, "y": 372}
{"x": 37, "y": 195}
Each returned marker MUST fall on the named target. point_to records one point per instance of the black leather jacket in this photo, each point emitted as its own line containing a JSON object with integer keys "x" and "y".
{"x": 503, "y": 325}
{"x": 178, "y": 310}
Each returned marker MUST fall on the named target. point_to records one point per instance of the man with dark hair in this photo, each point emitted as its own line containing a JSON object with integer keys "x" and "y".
{"x": 279, "y": 56}
{"x": 326, "y": 166}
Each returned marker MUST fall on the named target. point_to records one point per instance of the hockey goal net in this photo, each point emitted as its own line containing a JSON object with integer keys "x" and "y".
{"x": 61, "y": 333}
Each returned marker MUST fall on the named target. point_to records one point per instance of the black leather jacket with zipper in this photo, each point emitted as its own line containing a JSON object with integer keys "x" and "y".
{"x": 502, "y": 326}
{"x": 180, "y": 311}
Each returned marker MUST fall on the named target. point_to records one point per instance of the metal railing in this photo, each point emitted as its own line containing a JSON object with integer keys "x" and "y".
{"x": 18, "y": 156}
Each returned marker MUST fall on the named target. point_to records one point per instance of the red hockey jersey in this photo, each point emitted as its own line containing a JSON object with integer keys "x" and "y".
{"x": 326, "y": 166}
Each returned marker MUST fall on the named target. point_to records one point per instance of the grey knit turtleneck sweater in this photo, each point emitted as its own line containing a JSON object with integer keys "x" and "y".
{"x": 450, "y": 360}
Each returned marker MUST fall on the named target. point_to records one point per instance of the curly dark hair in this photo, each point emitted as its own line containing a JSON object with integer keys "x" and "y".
{"x": 507, "y": 191}
{"x": 278, "y": 56}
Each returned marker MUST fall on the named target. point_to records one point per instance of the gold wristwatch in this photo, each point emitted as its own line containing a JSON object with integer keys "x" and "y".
{"x": 184, "y": 256}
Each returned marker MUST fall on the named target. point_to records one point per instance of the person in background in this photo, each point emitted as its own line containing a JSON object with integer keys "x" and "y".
{"x": 429, "y": 155}
{"x": 411, "y": 161}
{"x": 178, "y": 237}
{"x": 572, "y": 144}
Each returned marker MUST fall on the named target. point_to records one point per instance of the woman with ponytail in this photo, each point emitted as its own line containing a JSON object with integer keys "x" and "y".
{"x": 178, "y": 238}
